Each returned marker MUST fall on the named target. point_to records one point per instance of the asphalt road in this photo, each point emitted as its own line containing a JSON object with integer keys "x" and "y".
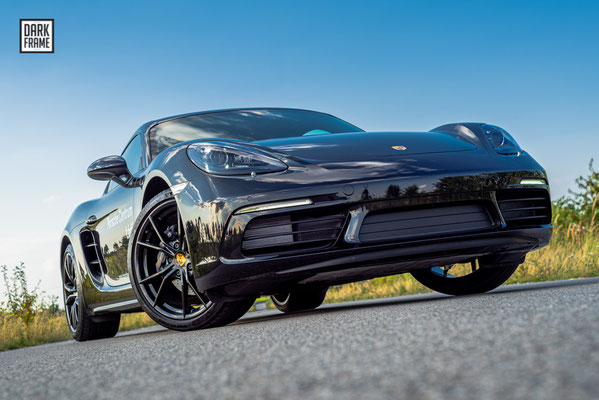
{"x": 534, "y": 341}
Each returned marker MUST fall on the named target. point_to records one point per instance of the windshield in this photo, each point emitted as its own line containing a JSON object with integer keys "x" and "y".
{"x": 246, "y": 125}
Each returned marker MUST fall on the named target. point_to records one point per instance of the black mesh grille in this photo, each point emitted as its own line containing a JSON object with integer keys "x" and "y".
{"x": 429, "y": 222}
{"x": 524, "y": 207}
{"x": 292, "y": 232}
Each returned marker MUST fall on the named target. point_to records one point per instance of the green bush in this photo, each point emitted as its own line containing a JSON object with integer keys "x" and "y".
{"x": 22, "y": 302}
{"x": 580, "y": 208}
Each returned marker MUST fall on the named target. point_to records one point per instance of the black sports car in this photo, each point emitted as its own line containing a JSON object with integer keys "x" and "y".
{"x": 204, "y": 212}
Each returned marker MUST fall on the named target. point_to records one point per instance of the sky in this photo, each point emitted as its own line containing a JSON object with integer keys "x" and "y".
{"x": 529, "y": 67}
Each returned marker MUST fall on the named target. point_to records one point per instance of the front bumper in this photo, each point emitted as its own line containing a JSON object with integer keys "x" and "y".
{"x": 234, "y": 274}
{"x": 215, "y": 232}
{"x": 248, "y": 277}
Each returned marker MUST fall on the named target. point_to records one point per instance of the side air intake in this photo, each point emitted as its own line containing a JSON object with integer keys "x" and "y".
{"x": 91, "y": 251}
{"x": 291, "y": 232}
{"x": 524, "y": 207}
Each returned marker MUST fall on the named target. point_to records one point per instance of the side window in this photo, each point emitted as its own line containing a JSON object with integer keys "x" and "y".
{"x": 132, "y": 155}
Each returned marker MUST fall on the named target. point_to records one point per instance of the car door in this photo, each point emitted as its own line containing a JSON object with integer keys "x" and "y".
{"x": 115, "y": 215}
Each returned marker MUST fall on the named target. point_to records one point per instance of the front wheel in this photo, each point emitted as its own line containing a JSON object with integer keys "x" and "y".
{"x": 464, "y": 279}
{"x": 299, "y": 300}
{"x": 162, "y": 274}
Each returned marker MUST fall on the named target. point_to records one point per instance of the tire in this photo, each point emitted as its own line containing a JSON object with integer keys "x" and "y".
{"x": 81, "y": 325}
{"x": 481, "y": 280}
{"x": 162, "y": 276}
{"x": 299, "y": 300}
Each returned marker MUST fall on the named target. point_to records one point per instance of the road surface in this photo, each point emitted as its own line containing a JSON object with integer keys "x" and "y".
{"x": 534, "y": 341}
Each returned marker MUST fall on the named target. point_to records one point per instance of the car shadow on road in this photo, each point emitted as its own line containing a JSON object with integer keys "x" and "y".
{"x": 273, "y": 315}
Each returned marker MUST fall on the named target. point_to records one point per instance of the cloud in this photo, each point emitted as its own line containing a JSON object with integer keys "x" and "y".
{"x": 50, "y": 199}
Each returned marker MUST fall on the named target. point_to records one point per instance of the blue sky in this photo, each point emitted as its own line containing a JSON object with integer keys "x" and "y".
{"x": 530, "y": 67}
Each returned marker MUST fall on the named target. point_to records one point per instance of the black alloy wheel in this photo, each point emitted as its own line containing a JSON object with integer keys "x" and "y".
{"x": 71, "y": 295}
{"x": 299, "y": 299}
{"x": 163, "y": 268}
{"x": 82, "y": 325}
{"x": 162, "y": 273}
{"x": 463, "y": 279}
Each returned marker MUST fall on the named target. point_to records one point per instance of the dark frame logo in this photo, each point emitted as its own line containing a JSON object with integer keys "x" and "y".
{"x": 36, "y": 35}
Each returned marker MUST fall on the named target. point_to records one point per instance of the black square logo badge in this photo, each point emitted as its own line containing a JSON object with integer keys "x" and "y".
{"x": 37, "y": 36}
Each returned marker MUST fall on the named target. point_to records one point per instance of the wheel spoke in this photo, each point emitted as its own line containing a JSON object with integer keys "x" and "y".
{"x": 72, "y": 312}
{"x": 68, "y": 268}
{"x": 69, "y": 289}
{"x": 156, "y": 230}
{"x": 198, "y": 295}
{"x": 184, "y": 241}
{"x": 473, "y": 265}
{"x": 67, "y": 273}
{"x": 157, "y": 274}
{"x": 161, "y": 286}
{"x": 183, "y": 293}
{"x": 76, "y": 312}
{"x": 70, "y": 297}
{"x": 151, "y": 246}
{"x": 181, "y": 233}
{"x": 179, "y": 226}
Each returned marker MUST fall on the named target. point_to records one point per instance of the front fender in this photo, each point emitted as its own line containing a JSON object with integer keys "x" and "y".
{"x": 172, "y": 166}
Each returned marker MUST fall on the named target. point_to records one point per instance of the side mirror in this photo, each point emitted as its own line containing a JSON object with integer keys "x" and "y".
{"x": 110, "y": 168}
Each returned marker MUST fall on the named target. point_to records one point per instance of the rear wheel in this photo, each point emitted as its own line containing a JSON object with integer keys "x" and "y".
{"x": 82, "y": 326}
{"x": 464, "y": 279}
{"x": 162, "y": 274}
{"x": 299, "y": 300}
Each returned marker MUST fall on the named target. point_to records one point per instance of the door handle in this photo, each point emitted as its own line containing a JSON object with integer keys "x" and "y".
{"x": 91, "y": 220}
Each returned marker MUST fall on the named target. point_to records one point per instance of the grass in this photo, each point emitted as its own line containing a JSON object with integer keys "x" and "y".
{"x": 48, "y": 327}
{"x": 572, "y": 253}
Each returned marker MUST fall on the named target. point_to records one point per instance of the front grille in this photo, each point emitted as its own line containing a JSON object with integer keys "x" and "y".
{"x": 524, "y": 207}
{"x": 421, "y": 223}
{"x": 291, "y": 232}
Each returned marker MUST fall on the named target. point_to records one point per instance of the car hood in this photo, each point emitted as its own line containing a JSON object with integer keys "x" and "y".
{"x": 364, "y": 146}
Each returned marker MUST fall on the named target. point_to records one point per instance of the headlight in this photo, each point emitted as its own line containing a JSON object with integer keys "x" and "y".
{"x": 223, "y": 158}
{"x": 502, "y": 142}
